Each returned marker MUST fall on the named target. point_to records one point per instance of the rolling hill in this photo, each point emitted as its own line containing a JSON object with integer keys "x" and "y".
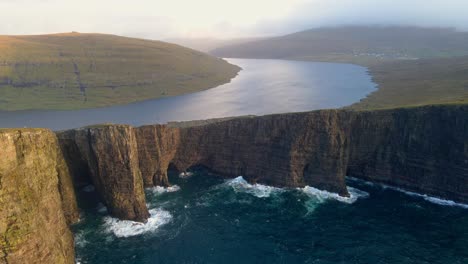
{"x": 356, "y": 44}
{"x": 208, "y": 44}
{"x": 74, "y": 70}
{"x": 413, "y": 66}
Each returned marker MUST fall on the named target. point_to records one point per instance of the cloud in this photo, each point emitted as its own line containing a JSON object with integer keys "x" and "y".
{"x": 217, "y": 18}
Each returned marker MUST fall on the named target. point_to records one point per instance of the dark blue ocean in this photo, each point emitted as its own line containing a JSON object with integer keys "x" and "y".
{"x": 207, "y": 219}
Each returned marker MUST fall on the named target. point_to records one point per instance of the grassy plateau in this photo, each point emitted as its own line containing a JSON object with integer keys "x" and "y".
{"x": 74, "y": 70}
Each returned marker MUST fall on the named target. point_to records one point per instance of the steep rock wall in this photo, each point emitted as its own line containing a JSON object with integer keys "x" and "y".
{"x": 109, "y": 155}
{"x": 157, "y": 146}
{"x": 37, "y": 199}
{"x": 422, "y": 149}
{"x": 288, "y": 150}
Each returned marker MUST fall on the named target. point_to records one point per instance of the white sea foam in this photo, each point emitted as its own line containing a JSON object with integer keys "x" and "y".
{"x": 101, "y": 208}
{"x": 322, "y": 196}
{"x": 80, "y": 240}
{"x": 426, "y": 197}
{"x": 239, "y": 184}
{"x": 185, "y": 175}
{"x": 161, "y": 190}
{"x": 125, "y": 228}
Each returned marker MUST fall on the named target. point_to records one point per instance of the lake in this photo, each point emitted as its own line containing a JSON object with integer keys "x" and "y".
{"x": 262, "y": 87}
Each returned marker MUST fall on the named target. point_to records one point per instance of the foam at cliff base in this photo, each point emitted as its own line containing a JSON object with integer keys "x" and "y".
{"x": 185, "y": 175}
{"x": 161, "y": 190}
{"x": 426, "y": 197}
{"x": 321, "y": 195}
{"x": 125, "y": 228}
{"x": 239, "y": 184}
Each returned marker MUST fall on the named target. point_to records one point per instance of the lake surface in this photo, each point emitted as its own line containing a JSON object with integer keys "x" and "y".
{"x": 205, "y": 219}
{"x": 262, "y": 87}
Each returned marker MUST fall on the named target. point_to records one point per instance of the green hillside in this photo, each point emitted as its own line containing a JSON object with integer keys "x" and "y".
{"x": 73, "y": 70}
{"x": 355, "y": 44}
{"x": 419, "y": 82}
{"x": 412, "y": 66}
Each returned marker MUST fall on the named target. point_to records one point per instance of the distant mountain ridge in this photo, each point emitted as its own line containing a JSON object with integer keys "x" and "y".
{"x": 412, "y": 66}
{"x": 74, "y": 70}
{"x": 208, "y": 44}
{"x": 348, "y": 43}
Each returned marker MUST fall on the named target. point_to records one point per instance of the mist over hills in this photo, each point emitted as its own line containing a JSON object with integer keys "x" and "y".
{"x": 355, "y": 43}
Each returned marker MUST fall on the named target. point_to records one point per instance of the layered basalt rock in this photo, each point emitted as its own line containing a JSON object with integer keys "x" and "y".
{"x": 157, "y": 147}
{"x": 422, "y": 149}
{"x": 109, "y": 155}
{"x": 37, "y": 199}
{"x": 289, "y": 150}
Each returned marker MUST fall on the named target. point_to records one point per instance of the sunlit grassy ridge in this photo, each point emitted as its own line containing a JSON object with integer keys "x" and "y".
{"x": 71, "y": 71}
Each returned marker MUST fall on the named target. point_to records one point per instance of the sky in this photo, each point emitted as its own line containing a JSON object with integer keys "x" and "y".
{"x": 161, "y": 19}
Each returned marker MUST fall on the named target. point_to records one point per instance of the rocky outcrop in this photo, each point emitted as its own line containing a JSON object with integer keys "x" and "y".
{"x": 109, "y": 155}
{"x": 421, "y": 149}
{"x": 289, "y": 150}
{"x": 157, "y": 146}
{"x": 283, "y": 150}
{"x": 36, "y": 199}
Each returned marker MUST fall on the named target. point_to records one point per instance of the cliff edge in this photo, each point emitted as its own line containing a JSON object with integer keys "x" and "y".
{"x": 37, "y": 199}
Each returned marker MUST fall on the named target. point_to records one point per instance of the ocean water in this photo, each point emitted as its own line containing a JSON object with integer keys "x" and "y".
{"x": 203, "y": 218}
{"x": 262, "y": 87}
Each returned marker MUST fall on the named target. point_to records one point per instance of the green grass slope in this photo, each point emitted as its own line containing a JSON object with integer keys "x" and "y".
{"x": 416, "y": 83}
{"x": 72, "y": 71}
{"x": 413, "y": 66}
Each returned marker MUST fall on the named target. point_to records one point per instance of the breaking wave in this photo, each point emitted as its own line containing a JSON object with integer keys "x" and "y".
{"x": 239, "y": 184}
{"x": 185, "y": 175}
{"x": 161, "y": 190}
{"x": 322, "y": 196}
{"x": 125, "y": 228}
{"x": 426, "y": 197}
{"x": 101, "y": 208}
{"x": 80, "y": 240}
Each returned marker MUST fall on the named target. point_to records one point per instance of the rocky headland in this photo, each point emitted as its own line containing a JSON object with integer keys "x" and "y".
{"x": 422, "y": 149}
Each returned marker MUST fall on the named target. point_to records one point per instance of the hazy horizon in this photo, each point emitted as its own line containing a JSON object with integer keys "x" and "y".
{"x": 220, "y": 19}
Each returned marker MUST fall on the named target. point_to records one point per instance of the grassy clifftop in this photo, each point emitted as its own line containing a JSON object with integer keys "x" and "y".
{"x": 73, "y": 70}
{"x": 416, "y": 83}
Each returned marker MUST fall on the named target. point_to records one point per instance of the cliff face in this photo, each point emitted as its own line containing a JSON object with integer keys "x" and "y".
{"x": 289, "y": 150}
{"x": 157, "y": 146}
{"x": 36, "y": 199}
{"x": 423, "y": 149}
{"x": 109, "y": 155}
{"x": 420, "y": 149}
{"x": 283, "y": 150}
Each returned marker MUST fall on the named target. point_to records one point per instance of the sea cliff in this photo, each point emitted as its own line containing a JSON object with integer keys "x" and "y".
{"x": 422, "y": 149}
{"x": 37, "y": 199}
